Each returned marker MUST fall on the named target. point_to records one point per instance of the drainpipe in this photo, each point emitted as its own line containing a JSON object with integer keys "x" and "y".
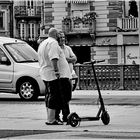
{"x": 42, "y": 17}
{"x": 11, "y": 19}
{"x": 139, "y": 34}
{"x": 139, "y": 28}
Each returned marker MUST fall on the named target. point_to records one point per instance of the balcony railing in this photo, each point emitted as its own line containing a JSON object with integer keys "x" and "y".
{"x": 81, "y": 27}
{"x": 26, "y": 11}
{"x": 128, "y": 24}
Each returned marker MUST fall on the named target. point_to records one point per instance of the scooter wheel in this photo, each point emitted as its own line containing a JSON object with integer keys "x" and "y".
{"x": 105, "y": 118}
{"x": 74, "y": 119}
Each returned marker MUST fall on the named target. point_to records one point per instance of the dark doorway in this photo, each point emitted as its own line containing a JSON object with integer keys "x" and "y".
{"x": 82, "y": 53}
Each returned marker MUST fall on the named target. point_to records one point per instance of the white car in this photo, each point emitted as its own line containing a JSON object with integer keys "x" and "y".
{"x": 19, "y": 69}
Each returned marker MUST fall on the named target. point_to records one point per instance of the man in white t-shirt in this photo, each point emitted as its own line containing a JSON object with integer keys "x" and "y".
{"x": 53, "y": 66}
{"x": 71, "y": 59}
{"x": 69, "y": 54}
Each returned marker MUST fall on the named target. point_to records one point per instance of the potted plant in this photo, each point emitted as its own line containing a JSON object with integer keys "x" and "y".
{"x": 89, "y": 17}
{"x": 66, "y": 20}
{"x": 77, "y": 20}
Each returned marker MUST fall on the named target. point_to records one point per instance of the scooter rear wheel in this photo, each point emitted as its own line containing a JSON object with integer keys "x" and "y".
{"x": 74, "y": 119}
{"x": 105, "y": 118}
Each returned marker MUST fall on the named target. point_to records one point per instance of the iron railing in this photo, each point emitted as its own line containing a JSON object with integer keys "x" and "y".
{"x": 27, "y": 11}
{"x": 79, "y": 27}
{"x": 130, "y": 23}
{"x": 110, "y": 77}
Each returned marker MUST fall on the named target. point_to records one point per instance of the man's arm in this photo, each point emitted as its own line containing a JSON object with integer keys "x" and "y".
{"x": 72, "y": 58}
{"x": 56, "y": 70}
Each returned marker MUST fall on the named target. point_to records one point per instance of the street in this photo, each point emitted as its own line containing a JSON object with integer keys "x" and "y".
{"x": 24, "y": 120}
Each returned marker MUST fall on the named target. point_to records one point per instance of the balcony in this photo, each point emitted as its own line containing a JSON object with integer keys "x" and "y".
{"x": 79, "y": 28}
{"x": 86, "y": 24}
{"x": 27, "y": 12}
{"x": 128, "y": 24}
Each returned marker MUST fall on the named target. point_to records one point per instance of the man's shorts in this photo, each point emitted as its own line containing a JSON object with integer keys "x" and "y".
{"x": 58, "y": 93}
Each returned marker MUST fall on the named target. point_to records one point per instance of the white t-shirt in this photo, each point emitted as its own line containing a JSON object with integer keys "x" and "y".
{"x": 48, "y": 50}
{"x": 68, "y": 53}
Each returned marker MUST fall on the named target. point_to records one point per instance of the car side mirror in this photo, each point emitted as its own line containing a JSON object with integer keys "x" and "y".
{"x": 5, "y": 60}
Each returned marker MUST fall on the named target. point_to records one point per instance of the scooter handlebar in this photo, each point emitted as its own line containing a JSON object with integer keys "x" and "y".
{"x": 93, "y": 62}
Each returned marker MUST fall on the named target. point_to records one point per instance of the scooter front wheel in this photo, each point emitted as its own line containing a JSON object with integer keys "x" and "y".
{"x": 74, "y": 119}
{"x": 105, "y": 118}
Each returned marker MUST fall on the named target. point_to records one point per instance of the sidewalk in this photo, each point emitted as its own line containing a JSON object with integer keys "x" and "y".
{"x": 28, "y": 121}
{"x": 110, "y": 97}
{"x": 107, "y": 92}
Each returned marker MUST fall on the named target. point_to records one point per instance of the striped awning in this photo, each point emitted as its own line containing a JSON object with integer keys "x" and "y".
{"x": 76, "y": 1}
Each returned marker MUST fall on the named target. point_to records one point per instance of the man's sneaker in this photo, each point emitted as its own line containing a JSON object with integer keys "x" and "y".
{"x": 66, "y": 122}
{"x": 59, "y": 121}
{"x": 53, "y": 123}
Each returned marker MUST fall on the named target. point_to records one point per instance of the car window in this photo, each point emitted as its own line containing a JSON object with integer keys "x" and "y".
{"x": 2, "y": 55}
{"x": 22, "y": 52}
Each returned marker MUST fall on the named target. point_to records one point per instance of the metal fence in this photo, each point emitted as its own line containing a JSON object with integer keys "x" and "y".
{"x": 110, "y": 77}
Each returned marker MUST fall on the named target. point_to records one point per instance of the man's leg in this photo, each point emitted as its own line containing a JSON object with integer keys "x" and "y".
{"x": 50, "y": 99}
{"x": 66, "y": 94}
{"x": 65, "y": 112}
{"x": 57, "y": 115}
{"x": 50, "y": 115}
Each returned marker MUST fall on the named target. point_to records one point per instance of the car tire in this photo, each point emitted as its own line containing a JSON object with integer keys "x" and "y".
{"x": 28, "y": 90}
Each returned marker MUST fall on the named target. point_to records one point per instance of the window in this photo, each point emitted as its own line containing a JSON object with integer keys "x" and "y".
{"x": 130, "y": 8}
{"x": 23, "y": 31}
{"x": 30, "y": 6}
{"x": 2, "y": 56}
{"x": 133, "y": 11}
{"x": 1, "y": 20}
{"x": 31, "y": 31}
{"x": 30, "y": 3}
{"x": 22, "y": 52}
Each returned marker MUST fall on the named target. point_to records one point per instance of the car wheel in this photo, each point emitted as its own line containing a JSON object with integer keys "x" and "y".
{"x": 28, "y": 90}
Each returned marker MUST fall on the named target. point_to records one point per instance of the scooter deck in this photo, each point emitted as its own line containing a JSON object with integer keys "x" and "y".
{"x": 90, "y": 118}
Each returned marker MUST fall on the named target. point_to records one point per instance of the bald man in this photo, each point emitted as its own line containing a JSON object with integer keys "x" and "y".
{"x": 53, "y": 66}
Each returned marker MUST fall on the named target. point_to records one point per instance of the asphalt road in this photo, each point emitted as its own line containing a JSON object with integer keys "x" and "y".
{"x": 26, "y": 120}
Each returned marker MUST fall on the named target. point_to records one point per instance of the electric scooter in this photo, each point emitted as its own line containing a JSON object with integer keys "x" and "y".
{"x": 73, "y": 118}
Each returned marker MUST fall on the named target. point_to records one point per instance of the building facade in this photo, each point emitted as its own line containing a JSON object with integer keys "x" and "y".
{"x": 96, "y": 29}
{"x": 117, "y": 32}
{"x": 6, "y": 18}
{"x": 27, "y": 19}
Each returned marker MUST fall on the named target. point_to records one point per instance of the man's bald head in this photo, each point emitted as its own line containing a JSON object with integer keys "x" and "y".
{"x": 53, "y": 32}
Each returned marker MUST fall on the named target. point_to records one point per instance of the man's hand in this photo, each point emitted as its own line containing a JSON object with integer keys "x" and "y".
{"x": 57, "y": 74}
{"x": 71, "y": 59}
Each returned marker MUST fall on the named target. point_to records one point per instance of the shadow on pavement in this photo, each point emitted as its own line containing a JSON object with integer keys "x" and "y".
{"x": 19, "y": 101}
{"x": 14, "y": 133}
